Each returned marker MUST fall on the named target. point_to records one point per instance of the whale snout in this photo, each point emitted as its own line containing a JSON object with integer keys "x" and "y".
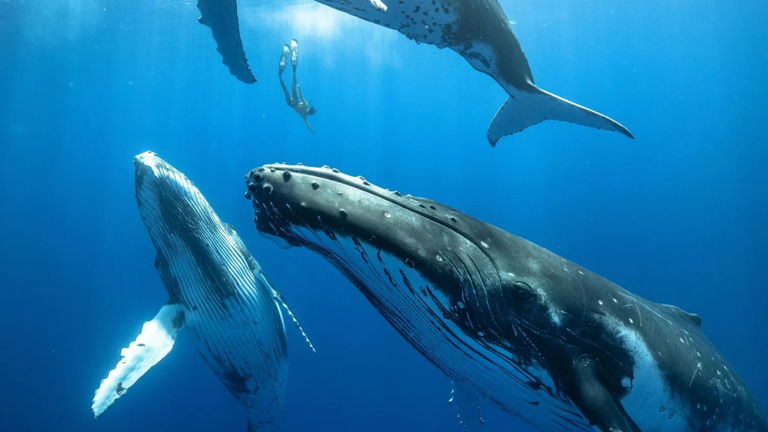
{"x": 298, "y": 203}
{"x": 148, "y": 164}
{"x": 287, "y": 195}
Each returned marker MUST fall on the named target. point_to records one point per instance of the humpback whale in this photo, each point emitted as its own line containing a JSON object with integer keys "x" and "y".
{"x": 215, "y": 288}
{"x": 540, "y": 336}
{"x": 478, "y": 30}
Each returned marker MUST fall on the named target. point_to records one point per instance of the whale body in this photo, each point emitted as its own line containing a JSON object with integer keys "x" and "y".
{"x": 216, "y": 289}
{"x": 542, "y": 337}
{"x": 478, "y": 30}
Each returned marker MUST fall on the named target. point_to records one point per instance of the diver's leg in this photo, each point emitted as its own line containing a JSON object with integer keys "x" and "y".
{"x": 295, "y": 87}
{"x": 288, "y": 99}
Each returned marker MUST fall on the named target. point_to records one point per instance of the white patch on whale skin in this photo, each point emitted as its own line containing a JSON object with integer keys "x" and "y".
{"x": 153, "y": 343}
{"x": 649, "y": 402}
{"x": 378, "y": 4}
{"x": 482, "y": 57}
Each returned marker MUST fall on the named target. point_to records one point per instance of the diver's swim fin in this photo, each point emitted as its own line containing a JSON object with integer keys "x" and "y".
{"x": 284, "y": 58}
{"x": 532, "y": 107}
{"x": 153, "y": 343}
{"x": 221, "y": 17}
{"x": 294, "y": 52}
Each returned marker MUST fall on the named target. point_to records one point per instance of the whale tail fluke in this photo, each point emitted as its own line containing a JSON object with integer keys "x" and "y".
{"x": 528, "y": 108}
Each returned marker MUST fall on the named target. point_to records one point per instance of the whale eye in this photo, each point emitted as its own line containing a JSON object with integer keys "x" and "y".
{"x": 522, "y": 291}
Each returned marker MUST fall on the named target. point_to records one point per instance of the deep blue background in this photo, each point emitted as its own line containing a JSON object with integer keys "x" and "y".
{"x": 678, "y": 215}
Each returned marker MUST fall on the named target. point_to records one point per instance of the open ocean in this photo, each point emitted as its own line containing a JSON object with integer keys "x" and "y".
{"x": 677, "y": 216}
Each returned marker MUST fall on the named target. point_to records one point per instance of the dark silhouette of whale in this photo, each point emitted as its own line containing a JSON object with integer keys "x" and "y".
{"x": 542, "y": 337}
{"x": 476, "y": 29}
{"x": 221, "y": 17}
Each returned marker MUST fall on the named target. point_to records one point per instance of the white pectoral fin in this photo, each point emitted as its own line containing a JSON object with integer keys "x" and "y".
{"x": 153, "y": 343}
{"x": 467, "y": 404}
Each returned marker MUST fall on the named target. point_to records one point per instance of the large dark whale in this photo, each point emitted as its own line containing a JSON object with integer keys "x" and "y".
{"x": 542, "y": 337}
{"x": 216, "y": 289}
{"x": 476, "y": 29}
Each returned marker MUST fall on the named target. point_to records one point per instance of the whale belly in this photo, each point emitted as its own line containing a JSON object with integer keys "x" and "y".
{"x": 238, "y": 327}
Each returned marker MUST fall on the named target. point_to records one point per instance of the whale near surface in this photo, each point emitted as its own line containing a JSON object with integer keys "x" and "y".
{"x": 478, "y": 30}
{"x": 216, "y": 289}
{"x": 542, "y": 337}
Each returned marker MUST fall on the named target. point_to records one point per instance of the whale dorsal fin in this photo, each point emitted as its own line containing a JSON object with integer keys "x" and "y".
{"x": 676, "y": 311}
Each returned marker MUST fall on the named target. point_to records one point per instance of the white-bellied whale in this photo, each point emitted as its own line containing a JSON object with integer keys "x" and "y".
{"x": 216, "y": 289}
{"x": 478, "y": 30}
{"x": 542, "y": 337}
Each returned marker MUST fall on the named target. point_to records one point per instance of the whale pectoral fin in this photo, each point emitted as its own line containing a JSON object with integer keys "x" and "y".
{"x": 153, "y": 343}
{"x": 221, "y": 17}
{"x": 467, "y": 404}
{"x": 534, "y": 105}
{"x": 597, "y": 404}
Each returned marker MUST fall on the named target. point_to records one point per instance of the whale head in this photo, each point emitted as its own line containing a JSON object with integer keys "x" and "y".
{"x": 422, "y": 264}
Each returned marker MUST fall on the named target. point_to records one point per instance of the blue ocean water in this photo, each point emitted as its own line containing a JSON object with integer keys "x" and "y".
{"x": 677, "y": 215}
